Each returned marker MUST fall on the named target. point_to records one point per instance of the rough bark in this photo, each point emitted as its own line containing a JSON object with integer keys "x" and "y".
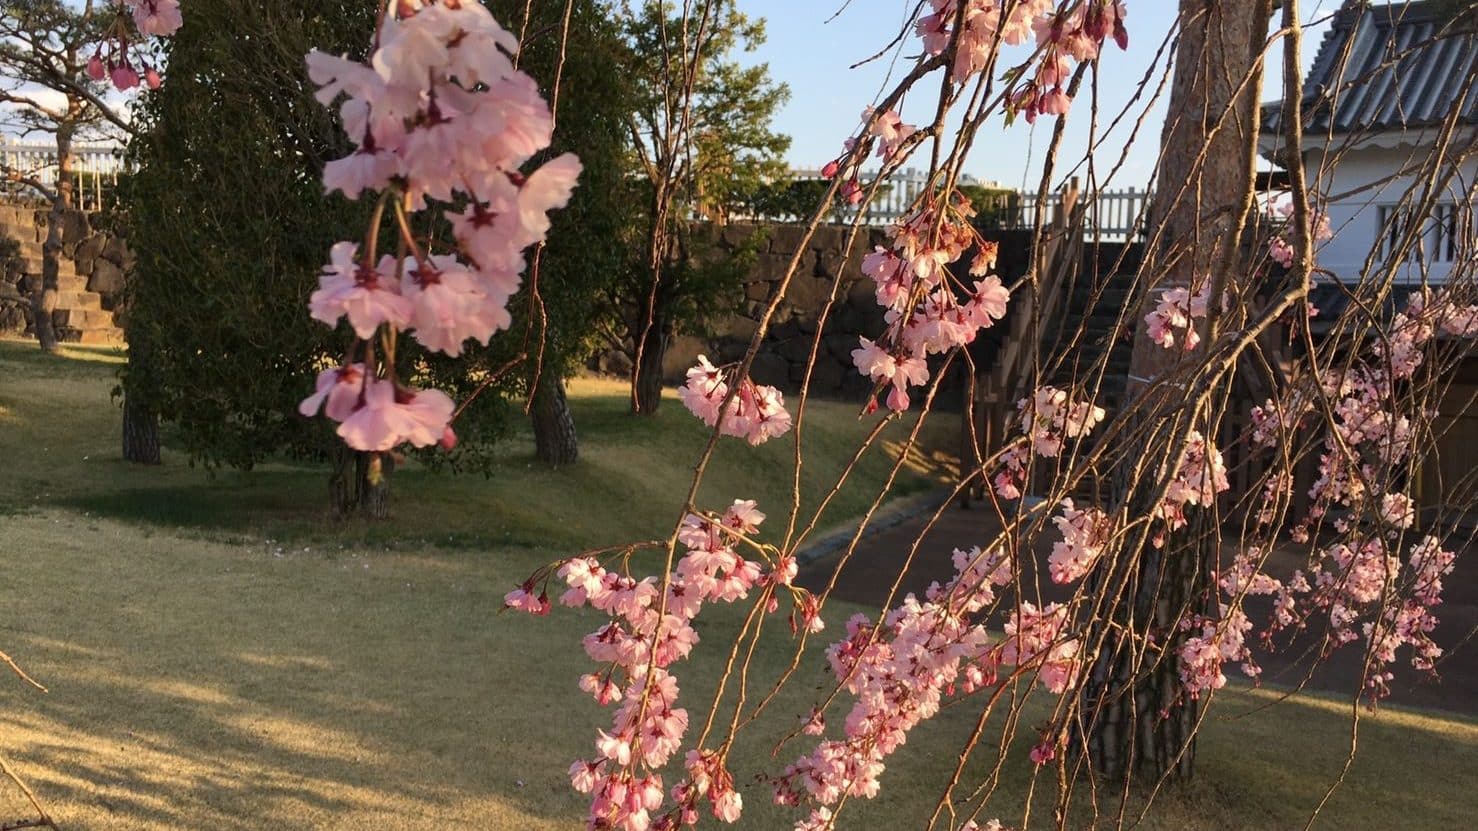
{"x": 140, "y": 431}
{"x": 140, "y": 419}
{"x": 1142, "y": 725}
{"x": 555, "y": 442}
{"x": 360, "y": 484}
{"x": 44, "y": 292}
{"x": 646, "y": 383}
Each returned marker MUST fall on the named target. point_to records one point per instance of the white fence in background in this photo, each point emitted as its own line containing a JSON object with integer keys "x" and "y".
{"x": 1110, "y": 216}
{"x": 95, "y": 168}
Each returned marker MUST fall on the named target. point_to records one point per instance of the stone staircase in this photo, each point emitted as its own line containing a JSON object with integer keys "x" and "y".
{"x": 1102, "y": 331}
{"x": 1093, "y": 311}
{"x": 79, "y": 316}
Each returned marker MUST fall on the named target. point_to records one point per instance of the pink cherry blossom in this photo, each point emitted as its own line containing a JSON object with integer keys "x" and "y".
{"x": 340, "y": 388}
{"x": 1175, "y": 315}
{"x": 1084, "y": 534}
{"x": 756, "y": 414}
{"x": 156, "y": 17}
{"x": 387, "y": 417}
{"x": 547, "y": 188}
{"x": 1051, "y": 416}
{"x": 365, "y": 169}
{"x": 523, "y": 599}
{"x": 366, "y": 296}
{"x": 1042, "y": 753}
{"x": 124, "y": 77}
{"x": 1280, "y": 247}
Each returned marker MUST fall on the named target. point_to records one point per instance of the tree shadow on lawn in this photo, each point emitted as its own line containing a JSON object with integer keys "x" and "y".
{"x": 285, "y": 749}
{"x": 219, "y": 752}
{"x": 624, "y": 488}
{"x": 61, "y": 429}
{"x": 198, "y": 685}
{"x": 562, "y": 508}
{"x": 232, "y": 503}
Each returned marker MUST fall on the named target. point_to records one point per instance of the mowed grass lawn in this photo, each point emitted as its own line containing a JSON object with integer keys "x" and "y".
{"x": 220, "y": 656}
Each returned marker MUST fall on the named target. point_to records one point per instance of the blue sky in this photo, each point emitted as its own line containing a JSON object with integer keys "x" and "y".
{"x": 812, "y": 56}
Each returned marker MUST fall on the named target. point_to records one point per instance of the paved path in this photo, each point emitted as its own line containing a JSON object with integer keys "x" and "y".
{"x": 874, "y": 567}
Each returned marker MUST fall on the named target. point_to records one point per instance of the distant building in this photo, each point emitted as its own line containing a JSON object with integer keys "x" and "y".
{"x": 1384, "y": 82}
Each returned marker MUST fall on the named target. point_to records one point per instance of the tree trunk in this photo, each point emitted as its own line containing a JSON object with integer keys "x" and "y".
{"x": 140, "y": 431}
{"x": 646, "y": 373}
{"x": 555, "y": 442}
{"x": 140, "y": 421}
{"x": 44, "y": 293}
{"x": 1142, "y": 724}
{"x": 343, "y": 485}
{"x": 360, "y": 483}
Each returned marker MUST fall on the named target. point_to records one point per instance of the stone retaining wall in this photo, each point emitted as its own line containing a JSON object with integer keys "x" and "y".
{"x": 100, "y": 256}
{"x": 787, "y": 346}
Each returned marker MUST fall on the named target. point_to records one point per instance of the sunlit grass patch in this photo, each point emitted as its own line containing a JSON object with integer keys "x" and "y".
{"x": 220, "y": 658}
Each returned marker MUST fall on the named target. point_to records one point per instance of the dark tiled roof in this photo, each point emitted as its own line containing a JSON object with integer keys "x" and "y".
{"x": 1389, "y": 67}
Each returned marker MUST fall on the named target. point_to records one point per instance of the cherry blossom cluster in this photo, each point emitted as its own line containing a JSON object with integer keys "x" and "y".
{"x": 112, "y": 60}
{"x": 1362, "y": 589}
{"x": 757, "y": 413}
{"x": 1175, "y": 316}
{"x": 899, "y": 673}
{"x": 1049, "y": 418}
{"x": 1357, "y": 582}
{"x": 1368, "y": 438}
{"x": 1367, "y": 594}
{"x": 438, "y": 113}
{"x": 1200, "y": 476}
{"x": 887, "y": 130}
{"x": 1224, "y": 639}
{"x": 1036, "y": 639}
{"x": 928, "y": 309}
{"x": 1062, "y": 35}
{"x": 1215, "y": 643}
{"x": 1085, "y": 534}
{"x": 651, "y": 628}
{"x": 1280, "y": 247}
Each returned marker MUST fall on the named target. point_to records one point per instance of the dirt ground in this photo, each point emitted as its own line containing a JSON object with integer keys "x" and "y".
{"x": 873, "y": 568}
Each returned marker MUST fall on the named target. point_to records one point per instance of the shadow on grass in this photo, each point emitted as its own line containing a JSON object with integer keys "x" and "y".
{"x": 251, "y": 503}
{"x": 61, "y": 426}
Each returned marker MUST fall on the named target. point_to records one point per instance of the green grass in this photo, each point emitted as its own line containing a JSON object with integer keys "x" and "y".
{"x": 219, "y": 657}
{"x": 629, "y": 484}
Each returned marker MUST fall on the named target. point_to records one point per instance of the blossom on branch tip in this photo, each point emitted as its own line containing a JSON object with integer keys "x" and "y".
{"x": 756, "y": 414}
{"x": 337, "y": 392}
{"x": 388, "y": 416}
{"x": 367, "y": 296}
{"x": 437, "y": 113}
